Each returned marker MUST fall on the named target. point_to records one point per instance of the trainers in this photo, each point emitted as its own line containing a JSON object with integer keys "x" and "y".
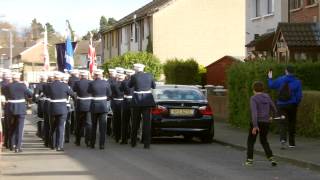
{"x": 292, "y": 146}
{"x": 273, "y": 161}
{"x": 249, "y": 162}
{"x": 283, "y": 144}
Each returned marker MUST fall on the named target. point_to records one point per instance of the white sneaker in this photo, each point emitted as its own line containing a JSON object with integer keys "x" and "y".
{"x": 290, "y": 146}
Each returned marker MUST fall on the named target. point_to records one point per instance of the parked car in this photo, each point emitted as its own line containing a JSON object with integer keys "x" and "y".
{"x": 182, "y": 110}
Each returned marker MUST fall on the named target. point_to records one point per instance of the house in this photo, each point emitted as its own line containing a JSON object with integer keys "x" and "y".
{"x": 297, "y": 41}
{"x": 263, "y": 16}
{"x": 217, "y": 71}
{"x": 81, "y": 53}
{"x": 304, "y": 11}
{"x": 199, "y": 29}
{"x": 260, "y": 47}
{"x": 5, "y": 56}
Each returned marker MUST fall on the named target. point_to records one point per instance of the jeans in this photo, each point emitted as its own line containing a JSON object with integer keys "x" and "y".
{"x": 288, "y": 125}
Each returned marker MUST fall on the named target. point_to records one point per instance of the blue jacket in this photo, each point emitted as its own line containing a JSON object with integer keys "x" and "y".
{"x": 99, "y": 88}
{"x": 295, "y": 87}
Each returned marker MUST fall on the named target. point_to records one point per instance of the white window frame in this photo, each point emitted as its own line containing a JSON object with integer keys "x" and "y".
{"x": 270, "y": 6}
{"x": 257, "y": 8}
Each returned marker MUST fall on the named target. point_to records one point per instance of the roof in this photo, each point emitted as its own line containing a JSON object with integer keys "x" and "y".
{"x": 299, "y": 34}
{"x": 15, "y": 52}
{"x": 83, "y": 47}
{"x": 149, "y": 8}
{"x": 263, "y": 42}
{"x": 224, "y": 57}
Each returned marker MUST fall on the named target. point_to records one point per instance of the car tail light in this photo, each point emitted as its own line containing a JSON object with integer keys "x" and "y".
{"x": 158, "y": 110}
{"x": 206, "y": 110}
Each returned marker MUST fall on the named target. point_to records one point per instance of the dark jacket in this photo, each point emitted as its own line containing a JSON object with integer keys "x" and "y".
{"x": 99, "y": 88}
{"x": 72, "y": 80}
{"x": 261, "y": 105}
{"x": 17, "y": 91}
{"x": 295, "y": 88}
{"x": 142, "y": 82}
{"x": 81, "y": 88}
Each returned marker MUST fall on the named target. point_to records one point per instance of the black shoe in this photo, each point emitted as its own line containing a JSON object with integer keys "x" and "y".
{"x": 146, "y": 146}
{"x": 77, "y": 143}
{"x": 124, "y": 142}
{"x": 273, "y": 161}
{"x": 60, "y": 149}
{"x": 133, "y": 144}
{"x": 66, "y": 141}
{"x": 102, "y": 147}
{"x": 92, "y": 146}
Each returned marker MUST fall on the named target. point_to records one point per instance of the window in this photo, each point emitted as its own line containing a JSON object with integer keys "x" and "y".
{"x": 257, "y": 5}
{"x": 270, "y": 6}
{"x": 142, "y": 29}
{"x": 295, "y": 4}
{"x": 310, "y": 2}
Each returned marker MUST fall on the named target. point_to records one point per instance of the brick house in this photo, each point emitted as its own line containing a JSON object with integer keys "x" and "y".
{"x": 304, "y": 11}
{"x": 182, "y": 29}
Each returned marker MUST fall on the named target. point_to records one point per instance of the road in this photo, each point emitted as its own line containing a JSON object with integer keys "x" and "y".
{"x": 167, "y": 159}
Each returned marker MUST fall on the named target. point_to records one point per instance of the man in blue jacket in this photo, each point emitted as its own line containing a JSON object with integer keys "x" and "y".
{"x": 287, "y": 104}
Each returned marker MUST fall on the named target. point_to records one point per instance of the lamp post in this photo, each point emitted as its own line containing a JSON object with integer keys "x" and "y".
{"x": 11, "y": 45}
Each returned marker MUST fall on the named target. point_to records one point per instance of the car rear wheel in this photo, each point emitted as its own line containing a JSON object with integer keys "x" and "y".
{"x": 207, "y": 138}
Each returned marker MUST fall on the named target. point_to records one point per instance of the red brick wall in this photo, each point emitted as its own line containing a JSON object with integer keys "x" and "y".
{"x": 216, "y": 72}
{"x": 305, "y": 14}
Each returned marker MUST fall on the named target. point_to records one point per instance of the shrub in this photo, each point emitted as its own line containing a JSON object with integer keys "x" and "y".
{"x": 242, "y": 75}
{"x": 178, "y": 71}
{"x": 127, "y": 60}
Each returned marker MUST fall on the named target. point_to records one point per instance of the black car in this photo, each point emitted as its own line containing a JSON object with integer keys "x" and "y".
{"x": 182, "y": 110}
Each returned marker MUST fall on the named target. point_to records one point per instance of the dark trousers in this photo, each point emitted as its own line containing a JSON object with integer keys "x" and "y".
{"x": 264, "y": 129}
{"x": 16, "y": 130}
{"x": 6, "y": 128}
{"x": 57, "y": 130}
{"x": 145, "y": 113}
{"x": 46, "y": 129}
{"x": 72, "y": 122}
{"x": 125, "y": 120}
{"x": 116, "y": 109}
{"x": 100, "y": 118}
{"x": 84, "y": 126}
{"x": 288, "y": 125}
{"x": 68, "y": 128}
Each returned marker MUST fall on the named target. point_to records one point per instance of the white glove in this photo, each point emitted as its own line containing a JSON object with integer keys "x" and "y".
{"x": 270, "y": 74}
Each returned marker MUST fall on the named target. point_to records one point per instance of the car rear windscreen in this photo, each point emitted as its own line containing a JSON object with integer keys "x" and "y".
{"x": 175, "y": 94}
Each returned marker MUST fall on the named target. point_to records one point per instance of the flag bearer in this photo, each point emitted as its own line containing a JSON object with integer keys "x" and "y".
{"x": 46, "y": 112}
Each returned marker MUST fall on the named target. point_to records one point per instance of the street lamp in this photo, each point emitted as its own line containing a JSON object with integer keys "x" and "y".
{"x": 11, "y": 45}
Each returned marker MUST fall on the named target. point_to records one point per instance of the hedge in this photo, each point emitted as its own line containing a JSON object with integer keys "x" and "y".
{"x": 153, "y": 64}
{"x": 187, "y": 72}
{"x": 242, "y": 75}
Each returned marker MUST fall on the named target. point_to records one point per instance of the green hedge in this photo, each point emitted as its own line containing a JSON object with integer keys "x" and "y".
{"x": 242, "y": 75}
{"x": 153, "y": 64}
{"x": 179, "y": 71}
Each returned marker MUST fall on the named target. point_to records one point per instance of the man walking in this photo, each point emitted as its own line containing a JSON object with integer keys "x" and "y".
{"x": 289, "y": 97}
{"x": 142, "y": 102}
{"x": 100, "y": 91}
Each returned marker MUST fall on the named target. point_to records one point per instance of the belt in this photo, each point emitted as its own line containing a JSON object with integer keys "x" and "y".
{"x": 17, "y": 101}
{"x": 127, "y": 97}
{"x": 46, "y": 99}
{"x": 143, "y": 92}
{"x": 100, "y": 98}
{"x": 58, "y": 100}
{"x": 84, "y": 98}
{"x": 118, "y": 99}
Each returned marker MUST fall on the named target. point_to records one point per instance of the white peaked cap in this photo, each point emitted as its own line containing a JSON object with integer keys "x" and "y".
{"x": 66, "y": 77}
{"x": 16, "y": 75}
{"x": 98, "y": 72}
{"x": 120, "y": 70}
{"x": 138, "y": 67}
{"x": 74, "y": 71}
{"x": 111, "y": 70}
{"x": 50, "y": 74}
{"x": 43, "y": 76}
{"x": 130, "y": 72}
{"x": 84, "y": 73}
{"x": 58, "y": 74}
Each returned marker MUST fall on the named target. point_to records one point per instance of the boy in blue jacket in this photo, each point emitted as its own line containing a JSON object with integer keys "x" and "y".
{"x": 287, "y": 104}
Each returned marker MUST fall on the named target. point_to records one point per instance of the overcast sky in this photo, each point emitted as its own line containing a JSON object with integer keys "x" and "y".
{"x": 84, "y": 15}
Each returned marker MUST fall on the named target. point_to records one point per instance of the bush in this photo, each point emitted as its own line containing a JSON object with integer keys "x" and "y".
{"x": 127, "y": 60}
{"x": 178, "y": 71}
{"x": 242, "y": 75}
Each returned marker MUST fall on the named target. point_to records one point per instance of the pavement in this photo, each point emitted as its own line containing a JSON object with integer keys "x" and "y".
{"x": 168, "y": 158}
{"x": 305, "y": 154}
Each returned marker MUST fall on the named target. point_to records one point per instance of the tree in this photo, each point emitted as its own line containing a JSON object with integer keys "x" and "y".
{"x": 106, "y": 23}
{"x": 95, "y": 34}
{"x": 36, "y": 29}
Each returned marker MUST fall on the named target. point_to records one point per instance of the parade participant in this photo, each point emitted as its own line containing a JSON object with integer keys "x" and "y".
{"x": 16, "y": 93}
{"x": 112, "y": 79}
{"x": 70, "y": 107}
{"x": 116, "y": 103}
{"x": 142, "y": 102}
{"x": 126, "y": 109}
{"x": 74, "y": 77}
{"x": 46, "y": 112}
{"x": 38, "y": 98}
{"x": 100, "y": 91}
{"x": 58, "y": 94}
{"x": 7, "y": 79}
{"x": 83, "y": 122}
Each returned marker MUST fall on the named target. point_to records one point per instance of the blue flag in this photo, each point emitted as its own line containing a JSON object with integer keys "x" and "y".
{"x": 69, "y": 52}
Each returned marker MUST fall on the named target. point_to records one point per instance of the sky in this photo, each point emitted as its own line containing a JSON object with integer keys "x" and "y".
{"x": 84, "y": 15}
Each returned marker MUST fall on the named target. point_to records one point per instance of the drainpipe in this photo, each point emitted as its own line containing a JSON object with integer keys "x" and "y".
{"x": 289, "y": 11}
